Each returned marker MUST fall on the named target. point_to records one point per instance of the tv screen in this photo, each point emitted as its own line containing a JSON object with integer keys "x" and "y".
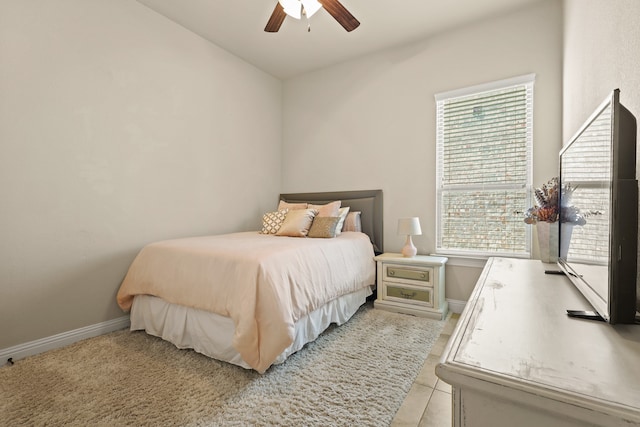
{"x": 599, "y": 211}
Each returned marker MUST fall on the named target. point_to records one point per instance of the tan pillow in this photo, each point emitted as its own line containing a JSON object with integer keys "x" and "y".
{"x": 330, "y": 209}
{"x": 352, "y": 222}
{"x": 291, "y": 206}
{"x": 297, "y": 223}
{"x": 342, "y": 214}
{"x": 324, "y": 227}
{"x": 271, "y": 221}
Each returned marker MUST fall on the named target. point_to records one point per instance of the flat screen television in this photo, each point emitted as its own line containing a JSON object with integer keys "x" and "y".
{"x": 598, "y": 236}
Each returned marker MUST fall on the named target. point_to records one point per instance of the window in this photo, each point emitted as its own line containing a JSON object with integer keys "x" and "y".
{"x": 484, "y": 149}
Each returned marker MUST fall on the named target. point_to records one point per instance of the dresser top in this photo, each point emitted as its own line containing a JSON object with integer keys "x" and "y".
{"x": 515, "y": 330}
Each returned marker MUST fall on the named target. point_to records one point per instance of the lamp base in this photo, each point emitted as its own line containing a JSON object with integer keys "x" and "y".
{"x": 409, "y": 250}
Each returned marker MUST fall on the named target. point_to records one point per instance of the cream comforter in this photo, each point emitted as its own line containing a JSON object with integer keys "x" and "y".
{"x": 264, "y": 283}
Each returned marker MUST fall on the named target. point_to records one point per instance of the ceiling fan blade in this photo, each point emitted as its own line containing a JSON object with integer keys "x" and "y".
{"x": 341, "y": 14}
{"x": 276, "y": 19}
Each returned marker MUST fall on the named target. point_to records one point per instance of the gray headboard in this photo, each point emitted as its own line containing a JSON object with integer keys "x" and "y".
{"x": 369, "y": 202}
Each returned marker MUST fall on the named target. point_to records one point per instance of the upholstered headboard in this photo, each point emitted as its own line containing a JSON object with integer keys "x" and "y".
{"x": 368, "y": 202}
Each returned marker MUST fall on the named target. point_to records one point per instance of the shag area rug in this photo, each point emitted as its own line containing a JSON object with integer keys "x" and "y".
{"x": 355, "y": 374}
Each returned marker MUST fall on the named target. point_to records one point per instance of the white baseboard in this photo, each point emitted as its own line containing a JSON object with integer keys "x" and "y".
{"x": 456, "y": 306}
{"x": 31, "y": 348}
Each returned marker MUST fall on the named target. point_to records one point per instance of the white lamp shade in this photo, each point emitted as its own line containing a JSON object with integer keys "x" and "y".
{"x": 409, "y": 226}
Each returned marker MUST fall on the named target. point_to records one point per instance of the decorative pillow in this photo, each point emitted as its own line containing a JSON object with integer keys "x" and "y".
{"x": 271, "y": 221}
{"x": 324, "y": 226}
{"x": 342, "y": 214}
{"x": 291, "y": 206}
{"x": 352, "y": 222}
{"x": 297, "y": 223}
{"x": 330, "y": 209}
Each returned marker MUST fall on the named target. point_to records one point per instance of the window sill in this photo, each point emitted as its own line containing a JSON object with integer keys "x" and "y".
{"x": 468, "y": 261}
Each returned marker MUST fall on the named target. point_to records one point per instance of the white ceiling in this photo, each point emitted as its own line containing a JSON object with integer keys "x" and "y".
{"x": 238, "y": 26}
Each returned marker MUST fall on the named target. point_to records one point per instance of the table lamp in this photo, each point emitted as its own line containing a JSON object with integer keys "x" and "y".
{"x": 409, "y": 227}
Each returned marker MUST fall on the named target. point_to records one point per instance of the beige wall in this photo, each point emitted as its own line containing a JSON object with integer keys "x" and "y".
{"x": 117, "y": 128}
{"x": 601, "y": 53}
{"x": 370, "y": 122}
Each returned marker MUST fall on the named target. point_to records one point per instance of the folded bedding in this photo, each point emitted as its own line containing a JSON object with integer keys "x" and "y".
{"x": 263, "y": 282}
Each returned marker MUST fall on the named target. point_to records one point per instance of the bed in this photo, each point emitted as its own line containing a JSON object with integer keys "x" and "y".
{"x": 254, "y": 298}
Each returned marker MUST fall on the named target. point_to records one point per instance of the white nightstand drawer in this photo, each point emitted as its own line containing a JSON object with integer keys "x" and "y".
{"x": 408, "y": 294}
{"x": 420, "y": 276}
{"x": 411, "y": 285}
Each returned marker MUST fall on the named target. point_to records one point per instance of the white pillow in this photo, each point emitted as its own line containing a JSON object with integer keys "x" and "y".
{"x": 342, "y": 213}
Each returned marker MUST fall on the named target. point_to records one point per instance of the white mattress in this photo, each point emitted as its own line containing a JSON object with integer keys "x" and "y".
{"x": 212, "y": 334}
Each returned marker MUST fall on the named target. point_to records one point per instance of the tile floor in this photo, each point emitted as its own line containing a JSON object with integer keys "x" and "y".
{"x": 428, "y": 403}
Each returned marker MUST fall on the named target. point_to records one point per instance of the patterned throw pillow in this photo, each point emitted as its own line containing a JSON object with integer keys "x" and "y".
{"x": 271, "y": 221}
{"x": 324, "y": 227}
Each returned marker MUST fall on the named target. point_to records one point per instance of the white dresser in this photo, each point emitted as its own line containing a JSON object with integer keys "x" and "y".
{"x": 411, "y": 285}
{"x": 516, "y": 358}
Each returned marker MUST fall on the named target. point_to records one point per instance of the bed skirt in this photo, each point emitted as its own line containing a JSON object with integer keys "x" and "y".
{"x": 211, "y": 334}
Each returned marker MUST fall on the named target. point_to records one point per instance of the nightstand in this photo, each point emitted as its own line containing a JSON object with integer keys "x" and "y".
{"x": 411, "y": 285}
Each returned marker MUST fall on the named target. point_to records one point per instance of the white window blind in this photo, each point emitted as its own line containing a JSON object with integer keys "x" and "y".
{"x": 484, "y": 146}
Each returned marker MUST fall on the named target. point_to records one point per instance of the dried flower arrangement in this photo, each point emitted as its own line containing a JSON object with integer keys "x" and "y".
{"x": 548, "y": 209}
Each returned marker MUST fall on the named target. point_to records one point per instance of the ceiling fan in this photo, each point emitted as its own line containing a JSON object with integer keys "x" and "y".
{"x": 297, "y": 8}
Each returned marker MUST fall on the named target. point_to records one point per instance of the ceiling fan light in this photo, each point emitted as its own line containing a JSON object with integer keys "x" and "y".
{"x": 311, "y": 7}
{"x": 293, "y": 8}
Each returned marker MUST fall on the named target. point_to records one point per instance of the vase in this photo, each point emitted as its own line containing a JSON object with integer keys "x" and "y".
{"x": 548, "y": 242}
{"x": 565, "y": 239}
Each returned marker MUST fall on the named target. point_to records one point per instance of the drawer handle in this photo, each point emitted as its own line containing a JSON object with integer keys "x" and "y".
{"x": 407, "y": 294}
{"x": 423, "y": 276}
{"x": 391, "y": 273}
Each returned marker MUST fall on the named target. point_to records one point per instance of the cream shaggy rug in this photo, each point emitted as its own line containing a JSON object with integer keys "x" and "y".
{"x": 356, "y": 374}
